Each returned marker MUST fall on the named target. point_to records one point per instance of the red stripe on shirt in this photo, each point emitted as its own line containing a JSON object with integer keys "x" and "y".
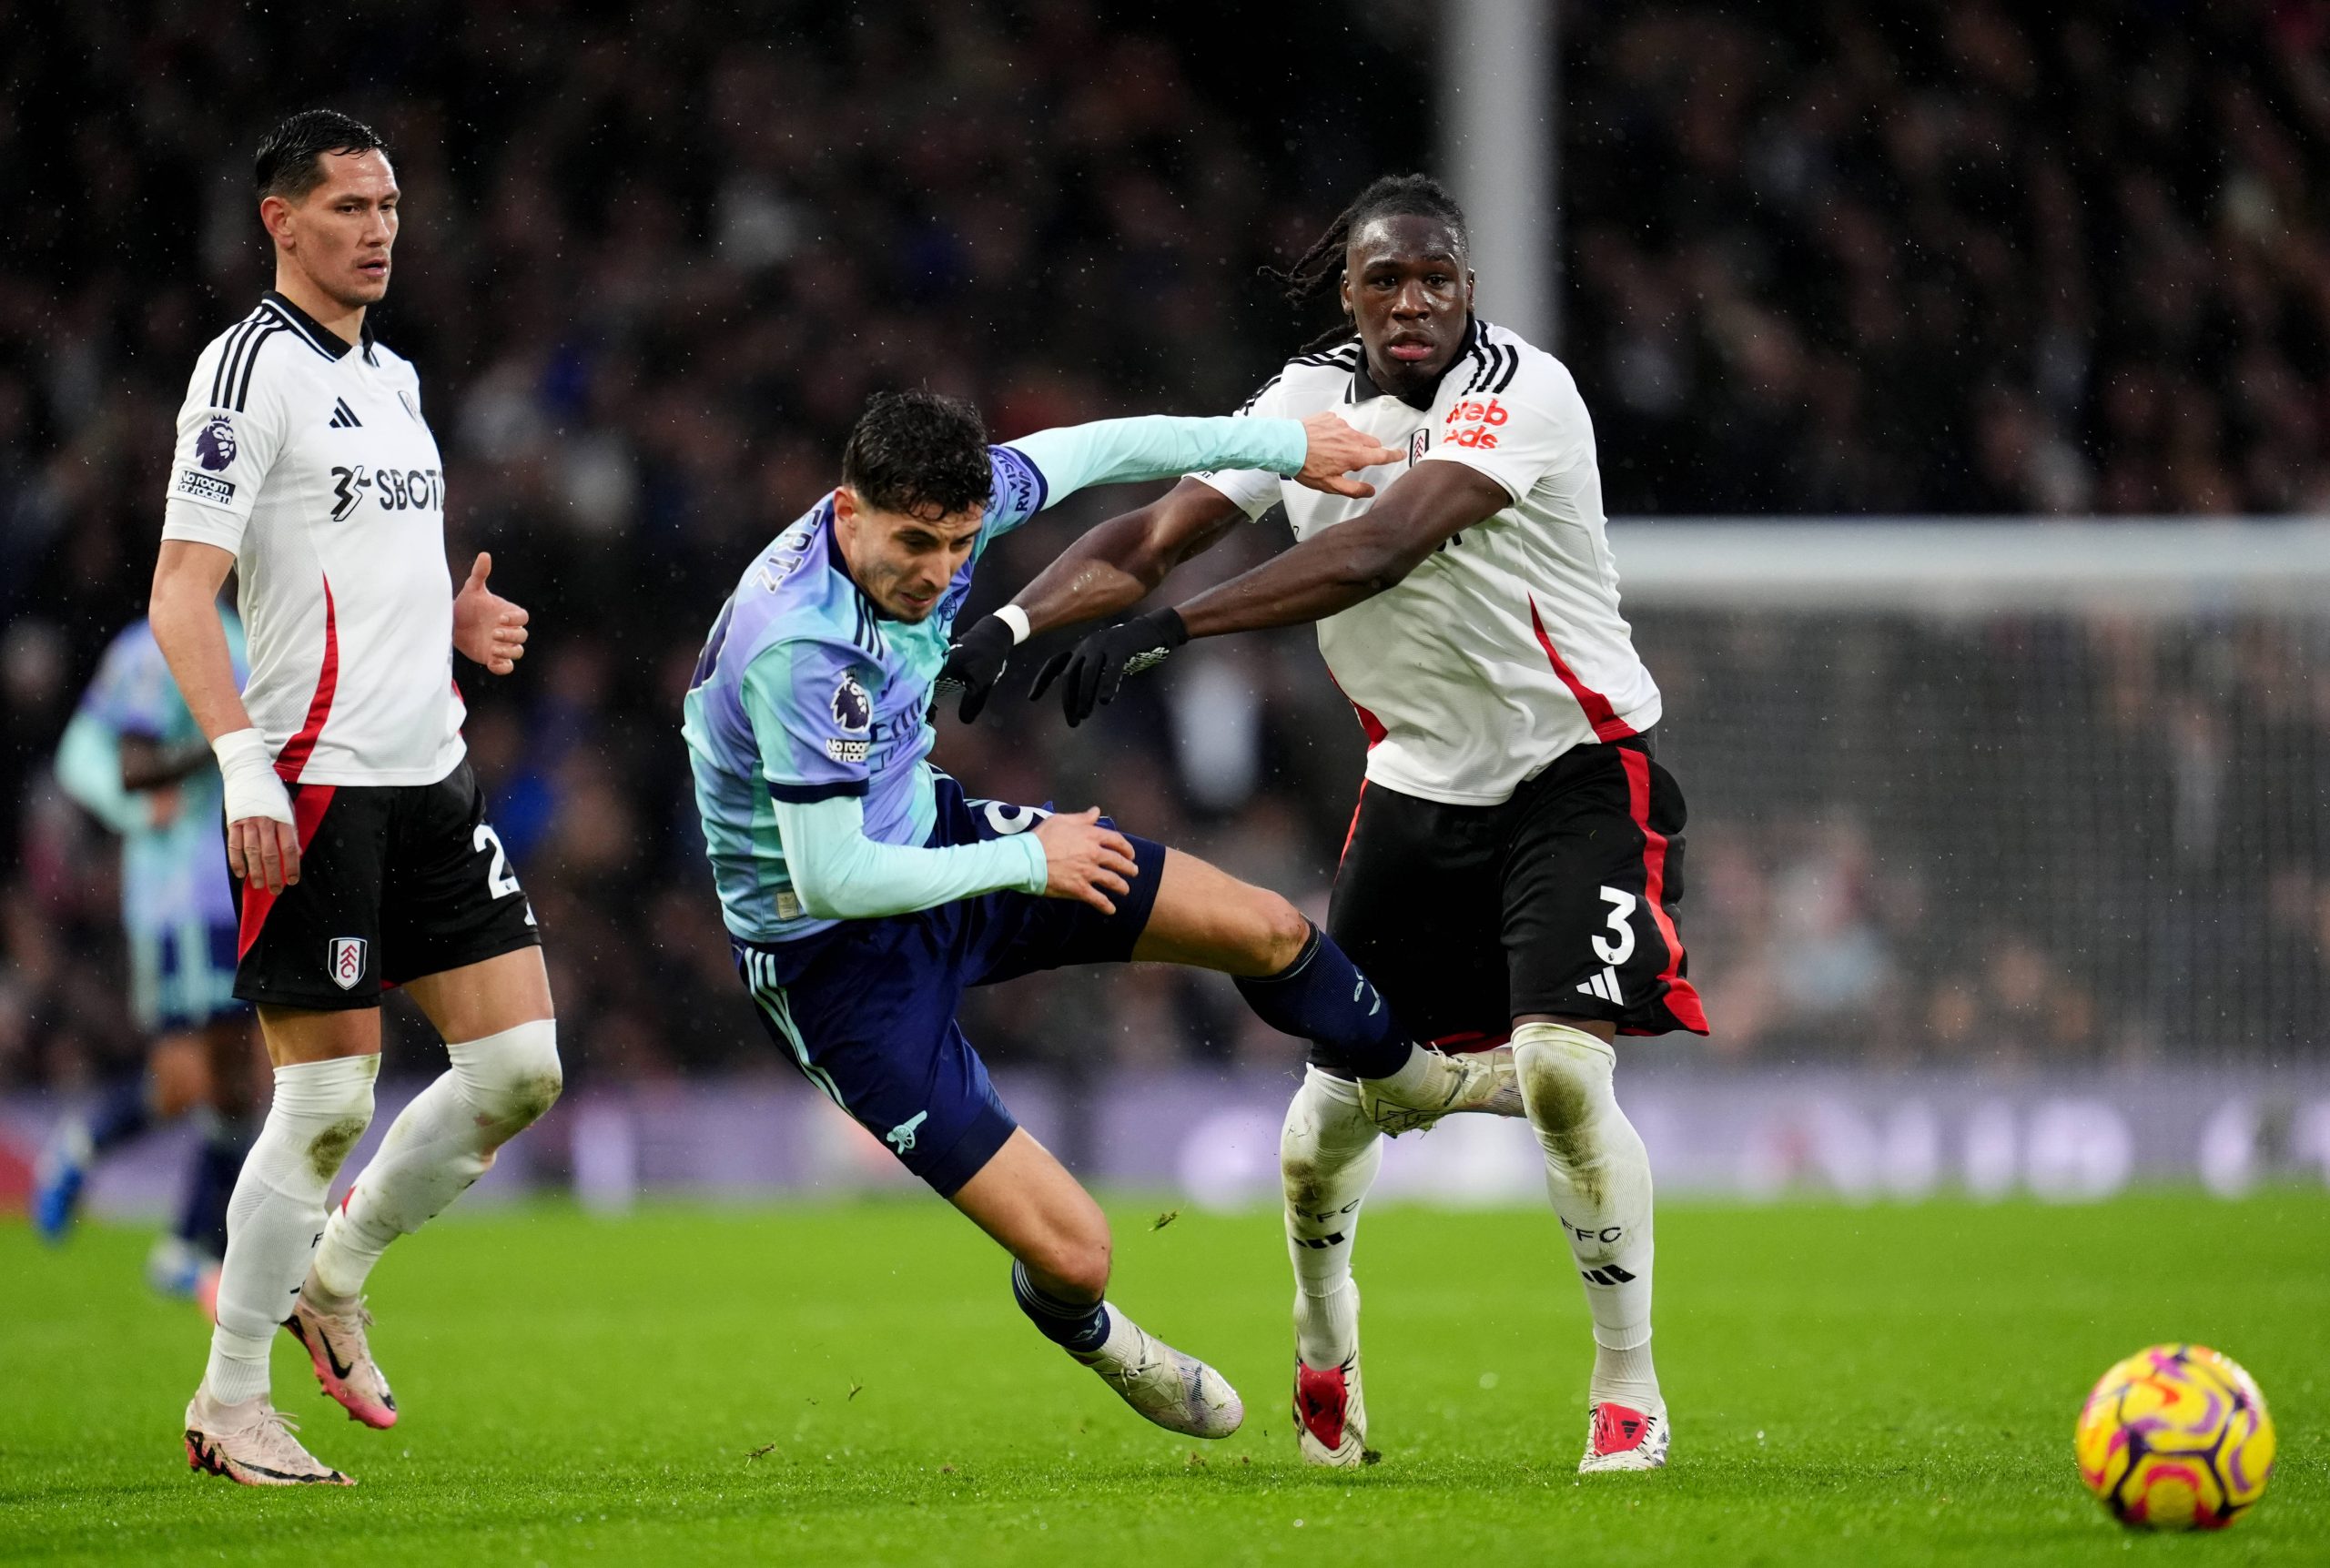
{"x": 1682, "y": 997}
{"x": 1608, "y": 725}
{"x": 309, "y": 803}
{"x": 296, "y": 751}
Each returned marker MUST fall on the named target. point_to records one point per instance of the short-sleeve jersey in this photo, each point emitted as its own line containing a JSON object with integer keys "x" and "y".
{"x": 172, "y": 876}
{"x": 1505, "y": 648}
{"x": 805, "y": 691}
{"x": 307, "y": 458}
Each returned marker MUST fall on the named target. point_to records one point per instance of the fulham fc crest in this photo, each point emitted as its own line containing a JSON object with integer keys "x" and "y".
{"x": 347, "y": 961}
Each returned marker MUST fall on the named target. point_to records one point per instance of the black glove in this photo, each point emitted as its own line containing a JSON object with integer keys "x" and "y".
{"x": 974, "y": 662}
{"x": 1096, "y": 666}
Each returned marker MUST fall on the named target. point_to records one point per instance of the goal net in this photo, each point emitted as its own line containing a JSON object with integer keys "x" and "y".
{"x": 1999, "y": 794}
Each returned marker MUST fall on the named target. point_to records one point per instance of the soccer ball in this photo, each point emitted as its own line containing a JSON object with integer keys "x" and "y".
{"x": 2176, "y": 1437}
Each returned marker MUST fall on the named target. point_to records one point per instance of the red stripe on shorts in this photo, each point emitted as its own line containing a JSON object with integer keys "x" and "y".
{"x": 1608, "y": 725}
{"x": 309, "y": 803}
{"x": 1682, "y": 996}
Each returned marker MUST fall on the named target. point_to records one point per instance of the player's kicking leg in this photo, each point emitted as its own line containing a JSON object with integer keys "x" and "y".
{"x": 1329, "y": 1152}
{"x": 1058, "y": 1242}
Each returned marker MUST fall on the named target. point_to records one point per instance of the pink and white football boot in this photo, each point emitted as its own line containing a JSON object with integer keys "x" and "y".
{"x": 343, "y": 1361}
{"x": 1619, "y": 1437}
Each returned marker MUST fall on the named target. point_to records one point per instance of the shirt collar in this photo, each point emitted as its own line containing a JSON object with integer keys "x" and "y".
{"x": 1364, "y": 387}
{"x": 320, "y": 338}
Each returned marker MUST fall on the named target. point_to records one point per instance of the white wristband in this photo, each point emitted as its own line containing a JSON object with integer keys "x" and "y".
{"x": 248, "y": 772}
{"x": 1011, "y": 615}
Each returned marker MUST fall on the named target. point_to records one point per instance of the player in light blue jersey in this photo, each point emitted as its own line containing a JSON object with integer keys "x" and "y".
{"x": 134, "y": 756}
{"x": 864, "y": 891}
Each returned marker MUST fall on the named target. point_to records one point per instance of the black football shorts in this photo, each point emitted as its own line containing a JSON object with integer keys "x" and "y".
{"x": 1560, "y": 901}
{"x": 396, "y": 882}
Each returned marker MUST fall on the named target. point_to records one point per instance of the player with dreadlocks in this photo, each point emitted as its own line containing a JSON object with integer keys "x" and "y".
{"x": 1517, "y": 854}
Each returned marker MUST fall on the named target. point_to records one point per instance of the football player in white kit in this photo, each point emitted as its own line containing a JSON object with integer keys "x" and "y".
{"x": 355, "y": 827}
{"x": 1515, "y": 856}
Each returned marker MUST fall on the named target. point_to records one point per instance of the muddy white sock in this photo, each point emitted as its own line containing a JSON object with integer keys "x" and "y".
{"x": 437, "y": 1148}
{"x": 1597, "y": 1173}
{"x": 321, "y": 1109}
{"x": 1329, "y": 1153}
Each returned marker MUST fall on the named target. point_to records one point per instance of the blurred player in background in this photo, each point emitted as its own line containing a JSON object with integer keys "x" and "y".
{"x": 865, "y": 892}
{"x": 354, "y": 823}
{"x": 1514, "y": 859}
{"x": 135, "y": 759}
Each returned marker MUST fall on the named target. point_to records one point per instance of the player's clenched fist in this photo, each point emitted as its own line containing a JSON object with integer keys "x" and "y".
{"x": 1084, "y": 861}
{"x": 1334, "y": 449}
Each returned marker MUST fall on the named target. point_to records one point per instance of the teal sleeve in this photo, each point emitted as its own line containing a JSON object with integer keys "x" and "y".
{"x": 88, "y": 768}
{"x": 840, "y": 874}
{"x": 1158, "y": 445}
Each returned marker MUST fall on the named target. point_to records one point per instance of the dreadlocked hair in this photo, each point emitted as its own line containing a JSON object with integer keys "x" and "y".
{"x": 1321, "y": 266}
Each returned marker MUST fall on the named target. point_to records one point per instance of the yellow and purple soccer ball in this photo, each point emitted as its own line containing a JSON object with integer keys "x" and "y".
{"x": 2176, "y": 1437}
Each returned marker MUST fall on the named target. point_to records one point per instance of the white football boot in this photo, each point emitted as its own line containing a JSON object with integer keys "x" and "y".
{"x": 336, "y": 1345}
{"x": 1330, "y": 1415}
{"x": 253, "y": 1444}
{"x": 1482, "y": 1081}
{"x": 1179, "y": 1392}
{"x": 1620, "y": 1437}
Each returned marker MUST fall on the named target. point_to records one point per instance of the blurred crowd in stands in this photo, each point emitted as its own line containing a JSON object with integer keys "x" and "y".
{"x": 1822, "y": 259}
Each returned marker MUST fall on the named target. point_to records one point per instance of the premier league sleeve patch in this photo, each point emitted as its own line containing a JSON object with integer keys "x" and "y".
{"x": 852, "y": 712}
{"x": 213, "y": 444}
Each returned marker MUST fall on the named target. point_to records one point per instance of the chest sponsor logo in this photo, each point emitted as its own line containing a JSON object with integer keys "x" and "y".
{"x": 400, "y": 490}
{"x": 203, "y": 487}
{"x": 1479, "y": 420}
{"x": 213, "y": 444}
{"x": 345, "y": 961}
{"x": 1418, "y": 444}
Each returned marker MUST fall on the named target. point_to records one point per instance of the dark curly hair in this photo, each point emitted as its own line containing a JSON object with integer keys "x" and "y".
{"x": 910, "y": 451}
{"x": 1393, "y": 195}
{"x": 287, "y": 165}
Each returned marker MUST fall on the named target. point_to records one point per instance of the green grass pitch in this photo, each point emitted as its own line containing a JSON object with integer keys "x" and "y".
{"x": 851, "y": 1383}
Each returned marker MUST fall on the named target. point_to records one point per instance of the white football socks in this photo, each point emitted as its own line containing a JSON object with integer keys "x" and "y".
{"x": 438, "y": 1146}
{"x": 321, "y": 1109}
{"x": 1598, "y": 1175}
{"x": 1328, "y": 1152}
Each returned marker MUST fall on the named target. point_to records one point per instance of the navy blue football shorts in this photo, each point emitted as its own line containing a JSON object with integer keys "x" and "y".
{"x": 866, "y": 1009}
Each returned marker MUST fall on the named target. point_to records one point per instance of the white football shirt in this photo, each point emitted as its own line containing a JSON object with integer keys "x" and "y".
{"x": 1505, "y": 649}
{"x": 307, "y": 458}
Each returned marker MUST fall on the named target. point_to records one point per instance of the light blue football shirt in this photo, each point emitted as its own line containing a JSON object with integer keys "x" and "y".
{"x": 805, "y": 691}
{"x": 174, "y": 874}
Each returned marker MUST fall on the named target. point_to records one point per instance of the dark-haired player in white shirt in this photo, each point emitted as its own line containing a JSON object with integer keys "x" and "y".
{"x": 355, "y": 827}
{"x": 1516, "y": 854}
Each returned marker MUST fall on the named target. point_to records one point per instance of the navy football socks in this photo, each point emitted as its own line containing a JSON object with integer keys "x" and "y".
{"x": 1322, "y": 997}
{"x": 121, "y": 1116}
{"x": 1073, "y": 1327}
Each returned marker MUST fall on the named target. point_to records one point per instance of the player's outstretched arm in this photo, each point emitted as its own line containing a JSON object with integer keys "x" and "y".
{"x": 1118, "y": 563}
{"x": 263, "y": 845}
{"x": 1328, "y": 572}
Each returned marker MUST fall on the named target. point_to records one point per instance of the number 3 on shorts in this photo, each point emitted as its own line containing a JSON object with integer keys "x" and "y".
{"x": 1622, "y": 912}
{"x": 501, "y": 883}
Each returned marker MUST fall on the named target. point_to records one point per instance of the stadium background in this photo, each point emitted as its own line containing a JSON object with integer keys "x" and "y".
{"x": 1951, "y": 260}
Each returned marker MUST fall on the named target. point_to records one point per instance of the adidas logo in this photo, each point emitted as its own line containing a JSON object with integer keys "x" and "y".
{"x": 1607, "y": 1274}
{"x": 1605, "y": 985}
{"x": 343, "y": 417}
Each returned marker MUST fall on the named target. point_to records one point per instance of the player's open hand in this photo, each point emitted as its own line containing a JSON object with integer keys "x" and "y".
{"x": 1334, "y": 450}
{"x": 1084, "y": 861}
{"x": 262, "y": 842}
{"x": 487, "y": 627}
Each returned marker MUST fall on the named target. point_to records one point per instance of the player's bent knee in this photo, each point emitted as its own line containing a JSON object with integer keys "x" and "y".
{"x": 514, "y": 1077}
{"x": 1074, "y": 1266}
{"x": 1566, "y": 1074}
